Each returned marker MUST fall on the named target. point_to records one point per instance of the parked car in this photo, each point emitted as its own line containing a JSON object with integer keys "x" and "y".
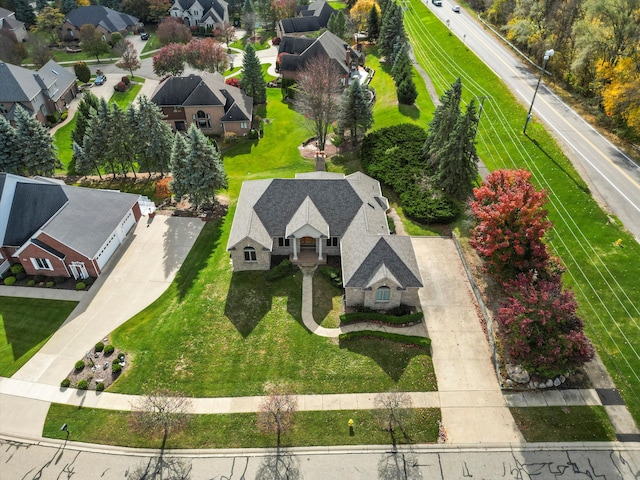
{"x": 100, "y": 79}
{"x": 455, "y": 8}
{"x": 437, "y": 3}
{"x": 144, "y": 36}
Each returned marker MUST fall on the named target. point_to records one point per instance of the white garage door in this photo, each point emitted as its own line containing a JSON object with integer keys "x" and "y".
{"x": 126, "y": 224}
{"x": 107, "y": 250}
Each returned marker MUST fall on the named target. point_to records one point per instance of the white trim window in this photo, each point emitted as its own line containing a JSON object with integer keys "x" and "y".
{"x": 41, "y": 264}
{"x": 243, "y": 125}
{"x": 250, "y": 254}
{"x": 383, "y": 294}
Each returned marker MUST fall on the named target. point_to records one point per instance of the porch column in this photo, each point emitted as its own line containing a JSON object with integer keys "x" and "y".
{"x": 295, "y": 249}
{"x": 320, "y": 241}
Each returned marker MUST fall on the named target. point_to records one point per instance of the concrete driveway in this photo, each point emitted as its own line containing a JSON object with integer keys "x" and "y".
{"x": 137, "y": 275}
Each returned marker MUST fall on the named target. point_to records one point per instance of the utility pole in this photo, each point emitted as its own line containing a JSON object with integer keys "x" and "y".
{"x": 547, "y": 55}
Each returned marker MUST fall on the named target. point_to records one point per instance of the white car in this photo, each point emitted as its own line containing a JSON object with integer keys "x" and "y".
{"x": 455, "y": 8}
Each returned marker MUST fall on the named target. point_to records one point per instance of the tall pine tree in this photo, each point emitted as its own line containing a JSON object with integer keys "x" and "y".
{"x": 38, "y": 154}
{"x": 91, "y": 156}
{"x": 179, "y": 166}
{"x": 88, "y": 104}
{"x": 356, "y": 113}
{"x": 373, "y": 25}
{"x": 252, "y": 81}
{"x": 9, "y": 157}
{"x": 202, "y": 172}
{"x": 392, "y": 29}
{"x": 153, "y": 137}
{"x": 442, "y": 125}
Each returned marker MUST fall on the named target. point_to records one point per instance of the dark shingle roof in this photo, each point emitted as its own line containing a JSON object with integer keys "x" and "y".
{"x": 96, "y": 15}
{"x": 309, "y": 19}
{"x": 33, "y": 205}
{"x": 302, "y": 49}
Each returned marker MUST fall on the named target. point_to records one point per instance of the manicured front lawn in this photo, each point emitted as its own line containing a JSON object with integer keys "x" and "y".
{"x": 603, "y": 275}
{"x": 124, "y": 99}
{"x": 25, "y": 326}
{"x": 311, "y": 428}
{"x": 564, "y": 424}
{"x": 214, "y": 333}
{"x": 62, "y": 141}
{"x": 327, "y": 302}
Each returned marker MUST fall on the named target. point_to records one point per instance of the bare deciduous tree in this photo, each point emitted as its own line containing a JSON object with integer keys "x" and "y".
{"x": 394, "y": 411}
{"x": 276, "y": 411}
{"x": 318, "y": 95}
{"x": 161, "y": 412}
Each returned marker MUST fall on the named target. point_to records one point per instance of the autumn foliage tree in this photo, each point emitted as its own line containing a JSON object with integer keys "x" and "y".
{"x": 621, "y": 91}
{"x": 511, "y": 223}
{"x": 130, "y": 60}
{"x": 173, "y": 30}
{"x": 169, "y": 59}
{"x": 284, "y": 8}
{"x": 539, "y": 327}
{"x": 206, "y": 54}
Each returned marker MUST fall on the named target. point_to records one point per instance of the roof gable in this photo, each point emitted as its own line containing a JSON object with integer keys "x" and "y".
{"x": 95, "y": 15}
{"x": 307, "y": 215}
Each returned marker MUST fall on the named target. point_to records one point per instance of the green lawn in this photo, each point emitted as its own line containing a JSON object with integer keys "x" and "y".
{"x": 564, "y": 424}
{"x": 62, "y": 141}
{"x": 263, "y": 45}
{"x": 338, "y": 5}
{"x": 25, "y": 326}
{"x": 312, "y": 428}
{"x": 152, "y": 44}
{"x": 603, "y": 276}
{"x": 124, "y": 99}
{"x": 327, "y": 302}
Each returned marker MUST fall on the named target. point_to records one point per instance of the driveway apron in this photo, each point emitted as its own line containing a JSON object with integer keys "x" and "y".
{"x": 473, "y": 408}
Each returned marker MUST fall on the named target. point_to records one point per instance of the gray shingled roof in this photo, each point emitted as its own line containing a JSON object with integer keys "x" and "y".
{"x": 298, "y": 50}
{"x": 18, "y": 83}
{"x": 95, "y": 15}
{"x": 32, "y": 206}
{"x": 307, "y": 214}
{"x": 56, "y": 78}
{"x": 309, "y": 19}
{"x": 8, "y": 20}
{"x": 245, "y": 221}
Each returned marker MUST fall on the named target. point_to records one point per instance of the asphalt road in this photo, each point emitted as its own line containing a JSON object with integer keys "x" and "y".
{"x": 539, "y": 461}
{"x": 614, "y": 177}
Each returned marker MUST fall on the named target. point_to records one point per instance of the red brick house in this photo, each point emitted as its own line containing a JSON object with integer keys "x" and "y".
{"x": 215, "y": 107}
{"x": 54, "y": 229}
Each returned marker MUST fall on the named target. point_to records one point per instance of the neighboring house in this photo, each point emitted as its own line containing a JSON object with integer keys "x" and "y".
{"x": 41, "y": 93}
{"x": 318, "y": 214}
{"x": 294, "y": 52}
{"x": 309, "y": 18}
{"x": 214, "y": 106}
{"x": 53, "y": 229}
{"x": 196, "y": 13}
{"x": 12, "y": 26}
{"x": 105, "y": 20}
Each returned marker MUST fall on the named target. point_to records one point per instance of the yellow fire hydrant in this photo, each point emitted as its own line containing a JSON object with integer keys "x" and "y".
{"x": 350, "y": 423}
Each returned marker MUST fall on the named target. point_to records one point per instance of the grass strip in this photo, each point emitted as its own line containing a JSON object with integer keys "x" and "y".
{"x": 310, "y": 428}
{"x": 26, "y": 324}
{"x": 394, "y": 337}
{"x": 357, "y": 317}
{"x": 564, "y": 424}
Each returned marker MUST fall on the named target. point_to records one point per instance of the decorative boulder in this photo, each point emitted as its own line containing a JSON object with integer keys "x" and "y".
{"x": 557, "y": 382}
{"x": 517, "y": 373}
{"x": 549, "y": 383}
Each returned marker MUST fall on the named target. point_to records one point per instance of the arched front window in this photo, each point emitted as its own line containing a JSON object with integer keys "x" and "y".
{"x": 203, "y": 119}
{"x": 250, "y": 254}
{"x": 383, "y": 294}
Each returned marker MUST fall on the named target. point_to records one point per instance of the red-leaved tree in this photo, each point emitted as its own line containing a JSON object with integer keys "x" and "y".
{"x": 233, "y": 81}
{"x": 169, "y": 59}
{"x": 510, "y": 224}
{"x": 539, "y": 328}
{"x": 173, "y": 30}
{"x": 284, "y": 8}
{"x": 206, "y": 54}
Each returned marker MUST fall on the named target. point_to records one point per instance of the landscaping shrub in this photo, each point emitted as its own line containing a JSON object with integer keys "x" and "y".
{"x": 50, "y": 284}
{"x": 392, "y": 225}
{"x": 80, "y": 286}
{"x": 116, "y": 368}
{"x": 31, "y": 283}
{"x": 125, "y": 80}
{"x": 115, "y": 38}
{"x": 9, "y": 280}
{"x": 121, "y": 357}
{"x": 99, "y": 387}
{"x": 80, "y": 365}
{"x": 285, "y": 269}
{"x": 39, "y": 278}
{"x": 162, "y": 188}
{"x": 233, "y": 81}
{"x": 422, "y": 342}
{"x": 333, "y": 274}
{"x": 65, "y": 383}
{"x": 99, "y": 347}
{"x": 82, "y": 72}
{"x": 426, "y": 206}
{"x": 17, "y": 268}
{"x": 116, "y": 361}
{"x": 108, "y": 349}
{"x": 357, "y": 317}
{"x": 230, "y": 137}
{"x": 120, "y": 87}
{"x": 275, "y": 41}
{"x": 83, "y": 384}
{"x": 21, "y": 276}
{"x": 64, "y": 115}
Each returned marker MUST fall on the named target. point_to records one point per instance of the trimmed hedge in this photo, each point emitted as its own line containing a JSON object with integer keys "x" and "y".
{"x": 99, "y": 347}
{"x": 108, "y": 349}
{"x": 80, "y": 365}
{"x": 421, "y": 342}
{"x": 65, "y": 383}
{"x": 10, "y": 280}
{"x": 80, "y": 286}
{"x": 99, "y": 387}
{"x": 357, "y": 317}
{"x": 83, "y": 385}
{"x": 17, "y": 268}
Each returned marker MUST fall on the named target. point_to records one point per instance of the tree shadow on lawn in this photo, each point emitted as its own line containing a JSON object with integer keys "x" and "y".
{"x": 410, "y": 111}
{"x": 250, "y": 299}
{"x": 323, "y": 293}
{"x": 198, "y": 256}
{"x": 392, "y": 357}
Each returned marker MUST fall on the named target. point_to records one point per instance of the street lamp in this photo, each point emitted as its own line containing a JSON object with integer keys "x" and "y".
{"x": 547, "y": 55}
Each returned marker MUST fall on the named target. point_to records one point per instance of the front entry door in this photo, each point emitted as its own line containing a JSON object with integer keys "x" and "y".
{"x": 78, "y": 270}
{"x": 307, "y": 243}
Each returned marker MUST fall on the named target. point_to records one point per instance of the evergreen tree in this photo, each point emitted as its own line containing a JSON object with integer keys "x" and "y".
{"x": 384, "y": 4}
{"x": 24, "y": 12}
{"x": 392, "y": 29}
{"x": 118, "y": 134}
{"x": 203, "y": 171}
{"x": 356, "y": 113}
{"x": 93, "y": 155}
{"x": 68, "y": 5}
{"x": 402, "y": 67}
{"x": 442, "y": 124}
{"x": 458, "y": 159}
{"x": 9, "y": 158}
{"x": 248, "y": 6}
{"x": 406, "y": 91}
{"x": 153, "y": 137}
{"x": 252, "y": 81}
{"x": 88, "y": 104}
{"x": 38, "y": 154}
{"x": 373, "y": 24}
{"x": 338, "y": 24}
{"x": 179, "y": 167}
{"x": 40, "y": 4}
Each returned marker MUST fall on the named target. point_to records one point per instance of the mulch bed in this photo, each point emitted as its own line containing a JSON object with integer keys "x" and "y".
{"x": 95, "y": 371}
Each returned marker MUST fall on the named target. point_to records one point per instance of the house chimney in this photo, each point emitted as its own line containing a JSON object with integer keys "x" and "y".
{"x": 348, "y": 57}
{"x": 320, "y": 161}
